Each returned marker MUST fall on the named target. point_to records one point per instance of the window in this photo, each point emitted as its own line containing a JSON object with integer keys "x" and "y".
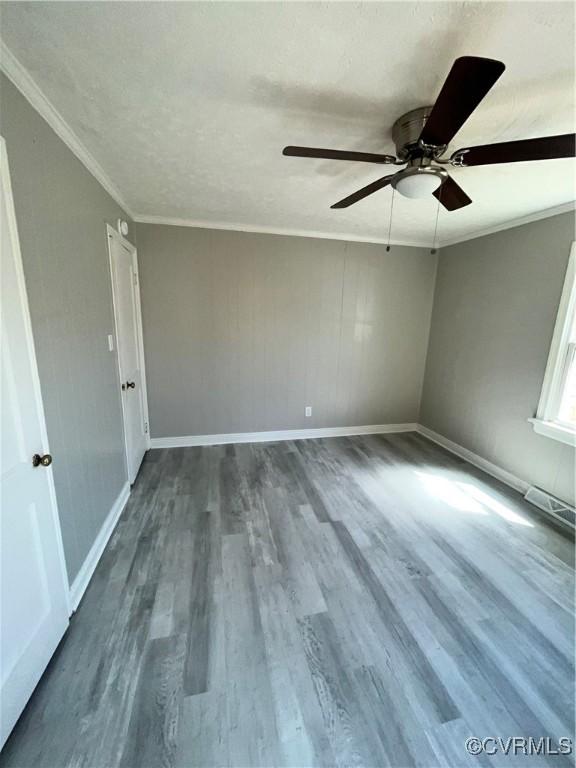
{"x": 556, "y": 415}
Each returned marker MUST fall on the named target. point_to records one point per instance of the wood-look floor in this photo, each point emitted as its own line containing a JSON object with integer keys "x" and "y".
{"x": 366, "y": 601}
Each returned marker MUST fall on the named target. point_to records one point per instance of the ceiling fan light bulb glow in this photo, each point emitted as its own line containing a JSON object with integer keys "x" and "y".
{"x": 418, "y": 185}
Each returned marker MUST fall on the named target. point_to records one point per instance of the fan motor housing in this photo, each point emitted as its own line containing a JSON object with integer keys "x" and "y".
{"x": 406, "y": 132}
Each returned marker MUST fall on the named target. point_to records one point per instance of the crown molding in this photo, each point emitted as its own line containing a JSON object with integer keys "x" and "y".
{"x": 262, "y": 230}
{"x": 236, "y": 227}
{"x": 17, "y": 73}
{"x": 536, "y": 216}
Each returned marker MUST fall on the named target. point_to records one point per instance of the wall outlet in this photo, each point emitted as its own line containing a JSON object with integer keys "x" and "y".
{"x": 308, "y": 411}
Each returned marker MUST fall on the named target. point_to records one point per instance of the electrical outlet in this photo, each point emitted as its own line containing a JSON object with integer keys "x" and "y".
{"x": 308, "y": 411}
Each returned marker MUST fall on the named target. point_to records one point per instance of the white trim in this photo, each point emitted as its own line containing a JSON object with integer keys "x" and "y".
{"x": 373, "y": 429}
{"x": 13, "y": 234}
{"x": 554, "y": 430}
{"x": 21, "y": 78}
{"x": 85, "y": 573}
{"x": 473, "y": 458}
{"x": 536, "y": 216}
{"x": 264, "y": 230}
{"x": 237, "y": 227}
{"x": 141, "y": 345}
{"x": 549, "y": 404}
{"x": 113, "y": 234}
{"x": 17, "y": 73}
{"x": 188, "y": 441}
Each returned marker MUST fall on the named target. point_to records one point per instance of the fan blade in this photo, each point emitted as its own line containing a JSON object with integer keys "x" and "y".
{"x": 545, "y": 148}
{"x": 364, "y": 192}
{"x": 451, "y": 195}
{"x": 337, "y": 154}
{"x": 469, "y": 80}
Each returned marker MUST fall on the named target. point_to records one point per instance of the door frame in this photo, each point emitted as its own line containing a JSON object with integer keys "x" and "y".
{"x": 5, "y": 180}
{"x": 113, "y": 234}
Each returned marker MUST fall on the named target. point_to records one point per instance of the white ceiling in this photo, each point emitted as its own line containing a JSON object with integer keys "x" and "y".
{"x": 187, "y": 106}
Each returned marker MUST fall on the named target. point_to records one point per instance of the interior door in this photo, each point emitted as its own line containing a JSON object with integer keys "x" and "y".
{"x": 127, "y": 315}
{"x": 33, "y": 588}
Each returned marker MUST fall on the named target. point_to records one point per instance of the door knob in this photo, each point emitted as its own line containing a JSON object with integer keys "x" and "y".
{"x": 130, "y": 385}
{"x": 45, "y": 460}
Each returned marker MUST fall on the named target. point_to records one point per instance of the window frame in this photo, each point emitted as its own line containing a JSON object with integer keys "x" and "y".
{"x": 546, "y": 421}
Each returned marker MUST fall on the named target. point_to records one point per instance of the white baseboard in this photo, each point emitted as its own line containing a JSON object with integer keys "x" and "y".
{"x": 89, "y": 565}
{"x": 477, "y": 461}
{"x": 187, "y": 441}
{"x": 283, "y": 434}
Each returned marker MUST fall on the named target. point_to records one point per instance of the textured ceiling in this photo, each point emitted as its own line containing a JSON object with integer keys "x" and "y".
{"x": 186, "y": 106}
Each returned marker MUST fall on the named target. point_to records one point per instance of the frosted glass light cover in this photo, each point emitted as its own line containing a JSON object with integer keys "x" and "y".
{"x": 418, "y": 185}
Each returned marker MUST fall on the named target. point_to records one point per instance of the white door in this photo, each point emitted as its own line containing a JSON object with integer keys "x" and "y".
{"x": 126, "y": 293}
{"x": 34, "y": 586}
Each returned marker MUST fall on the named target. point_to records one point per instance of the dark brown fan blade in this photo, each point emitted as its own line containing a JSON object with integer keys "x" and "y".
{"x": 337, "y": 154}
{"x": 545, "y": 148}
{"x": 364, "y": 192}
{"x": 451, "y": 195}
{"x": 469, "y": 80}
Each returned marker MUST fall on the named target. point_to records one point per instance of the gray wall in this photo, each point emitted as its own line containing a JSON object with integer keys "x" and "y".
{"x": 494, "y": 311}
{"x": 61, "y": 212}
{"x": 242, "y": 331}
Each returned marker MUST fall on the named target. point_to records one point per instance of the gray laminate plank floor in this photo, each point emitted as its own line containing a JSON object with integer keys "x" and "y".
{"x": 363, "y": 601}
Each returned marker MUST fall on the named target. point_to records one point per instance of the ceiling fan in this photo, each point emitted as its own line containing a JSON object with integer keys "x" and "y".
{"x": 422, "y": 136}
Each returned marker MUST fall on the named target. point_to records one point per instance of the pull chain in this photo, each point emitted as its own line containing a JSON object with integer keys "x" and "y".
{"x": 390, "y": 222}
{"x": 433, "y": 251}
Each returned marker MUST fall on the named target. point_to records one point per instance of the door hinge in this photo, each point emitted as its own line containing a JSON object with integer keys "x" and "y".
{"x": 146, "y": 427}
{"x": 135, "y": 278}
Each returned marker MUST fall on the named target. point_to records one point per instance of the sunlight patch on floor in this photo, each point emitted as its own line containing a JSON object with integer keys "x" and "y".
{"x": 466, "y": 497}
{"x": 449, "y": 492}
{"x": 494, "y": 505}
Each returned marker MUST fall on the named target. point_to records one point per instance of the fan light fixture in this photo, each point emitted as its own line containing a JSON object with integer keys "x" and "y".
{"x": 422, "y": 136}
{"x": 417, "y": 182}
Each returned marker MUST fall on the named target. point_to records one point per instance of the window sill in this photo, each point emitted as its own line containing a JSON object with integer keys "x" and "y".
{"x": 555, "y": 431}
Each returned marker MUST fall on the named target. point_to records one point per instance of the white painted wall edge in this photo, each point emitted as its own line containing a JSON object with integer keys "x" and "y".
{"x": 85, "y": 573}
{"x": 187, "y": 441}
{"x": 473, "y": 458}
